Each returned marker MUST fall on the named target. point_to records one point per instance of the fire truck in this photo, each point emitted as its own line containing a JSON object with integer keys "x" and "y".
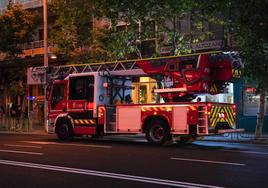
{"x": 95, "y": 99}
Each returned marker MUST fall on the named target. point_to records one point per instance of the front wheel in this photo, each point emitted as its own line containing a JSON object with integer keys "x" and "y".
{"x": 158, "y": 132}
{"x": 64, "y": 131}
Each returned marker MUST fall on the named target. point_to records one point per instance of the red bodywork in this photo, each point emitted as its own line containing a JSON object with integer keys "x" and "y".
{"x": 197, "y": 74}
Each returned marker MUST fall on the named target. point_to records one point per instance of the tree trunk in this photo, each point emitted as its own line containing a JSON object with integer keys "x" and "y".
{"x": 260, "y": 116}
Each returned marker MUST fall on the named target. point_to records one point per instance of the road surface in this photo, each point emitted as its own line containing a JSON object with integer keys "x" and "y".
{"x": 43, "y": 161}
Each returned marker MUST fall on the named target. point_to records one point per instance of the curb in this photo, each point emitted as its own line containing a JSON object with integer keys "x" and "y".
{"x": 249, "y": 141}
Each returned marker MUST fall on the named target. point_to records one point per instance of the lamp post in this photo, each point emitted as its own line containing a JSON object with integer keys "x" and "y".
{"x": 45, "y": 33}
{"x": 45, "y": 61}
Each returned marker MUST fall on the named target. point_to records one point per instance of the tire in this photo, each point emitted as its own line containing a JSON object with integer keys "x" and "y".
{"x": 158, "y": 132}
{"x": 64, "y": 131}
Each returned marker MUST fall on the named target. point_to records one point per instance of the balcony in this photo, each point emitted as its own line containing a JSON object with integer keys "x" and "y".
{"x": 31, "y": 49}
{"x": 27, "y": 4}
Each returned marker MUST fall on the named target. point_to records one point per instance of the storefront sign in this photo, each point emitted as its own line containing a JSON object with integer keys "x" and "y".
{"x": 36, "y": 75}
{"x": 250, "y": 89}
{"x": 214, "y": 44}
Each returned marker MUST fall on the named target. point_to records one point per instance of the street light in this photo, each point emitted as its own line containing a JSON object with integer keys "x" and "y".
{"x": 45, "y": 33}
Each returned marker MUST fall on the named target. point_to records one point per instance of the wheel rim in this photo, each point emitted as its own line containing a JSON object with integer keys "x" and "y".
{"x": 157, "y": 133}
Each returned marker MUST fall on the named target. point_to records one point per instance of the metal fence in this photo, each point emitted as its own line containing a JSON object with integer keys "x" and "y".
{"x": 21, "y": 124}
{"x": 246, "y": 135}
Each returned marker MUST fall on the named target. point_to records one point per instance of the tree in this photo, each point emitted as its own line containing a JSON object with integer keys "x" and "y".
{"x": 143, "y": 17}
{"x": 74, "y": 35}
{"x": 16, "y": 27}
{"x": 164, "y": 15}
{"x": 246, "y": 22}
{"x": 250, "y": 29}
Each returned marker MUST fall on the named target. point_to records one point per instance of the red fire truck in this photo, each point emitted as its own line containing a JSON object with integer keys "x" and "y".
{"x": 95, "y": 99}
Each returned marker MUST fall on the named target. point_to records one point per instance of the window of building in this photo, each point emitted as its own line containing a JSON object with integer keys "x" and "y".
{"x": 143, "y": 91}
{"x": 41, "y": 34}
{"x": 183, "y": 24}
{"x": 82, "y": 88}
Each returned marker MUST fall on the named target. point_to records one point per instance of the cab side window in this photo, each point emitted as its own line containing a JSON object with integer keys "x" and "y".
{"x": 58, "y": 93}
{"x": 82, "y": 88}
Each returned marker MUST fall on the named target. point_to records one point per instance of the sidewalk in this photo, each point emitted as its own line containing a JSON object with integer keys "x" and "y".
{"x": 238, "y": 138}
{"x": 33, "y": 131}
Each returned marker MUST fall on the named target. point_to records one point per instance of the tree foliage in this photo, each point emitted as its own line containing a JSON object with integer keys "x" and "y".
{"x": 250, "y": 30}
{"x": 142, "y": 20}
{"x": 251, "y": 33}
{"x": 16, "y": 27}
{"x": 246, "y": 23}
{"x": 74, "y": 35}
{"x": 133, "y": 13}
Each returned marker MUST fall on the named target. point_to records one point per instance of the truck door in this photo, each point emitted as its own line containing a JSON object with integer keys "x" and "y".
{"x": 58, "y": 100}
{"x": 81, "y": 95}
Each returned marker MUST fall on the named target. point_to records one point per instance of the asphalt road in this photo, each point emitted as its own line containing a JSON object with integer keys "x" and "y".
{"x": 43, "y": 161}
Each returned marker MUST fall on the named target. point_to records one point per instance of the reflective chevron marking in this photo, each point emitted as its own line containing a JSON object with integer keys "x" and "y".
{"x": 236, "y": 73}
{"x": 84, "y": 122}
{"x": 213, "y": 88}
{"x": 215, "y": 116}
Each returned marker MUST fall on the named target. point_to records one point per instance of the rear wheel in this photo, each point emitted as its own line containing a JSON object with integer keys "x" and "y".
{"x": 64, "y": 131}
{"x": 158, "y": 132}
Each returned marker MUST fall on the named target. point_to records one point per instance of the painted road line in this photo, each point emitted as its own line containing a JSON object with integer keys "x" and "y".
{"x": 108, "y": 175}
{"x": 22, "y": 146}
{"x": 231, "y": 143}
{"x": 62, "y": 144}
{"x": 206, "y": 161}
{"x": 21, "y": 152}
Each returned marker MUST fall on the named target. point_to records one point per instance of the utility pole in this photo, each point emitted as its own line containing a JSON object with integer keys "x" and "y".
{"x": 45, "y": 33}
{"x": 45, "y": 61}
